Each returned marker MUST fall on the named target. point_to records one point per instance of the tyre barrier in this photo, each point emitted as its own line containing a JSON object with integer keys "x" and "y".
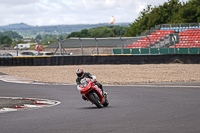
{"x": 101, "y": 59}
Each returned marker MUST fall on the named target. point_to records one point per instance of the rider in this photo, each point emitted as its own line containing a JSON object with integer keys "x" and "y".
{"x": 81, "y": 74}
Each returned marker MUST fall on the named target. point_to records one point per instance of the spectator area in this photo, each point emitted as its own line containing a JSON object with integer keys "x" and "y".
{"x": 187, "y": 37}
{"x": 156, "y": 37}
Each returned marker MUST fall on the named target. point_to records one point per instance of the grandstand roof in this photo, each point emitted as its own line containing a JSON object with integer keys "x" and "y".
{"x": 91, "y": 42}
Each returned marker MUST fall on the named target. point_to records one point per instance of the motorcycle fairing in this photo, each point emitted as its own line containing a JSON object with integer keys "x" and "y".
{"x": 89, "y": 86}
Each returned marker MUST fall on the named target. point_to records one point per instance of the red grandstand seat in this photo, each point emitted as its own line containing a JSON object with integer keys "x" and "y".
{"x": 167, "y": 35}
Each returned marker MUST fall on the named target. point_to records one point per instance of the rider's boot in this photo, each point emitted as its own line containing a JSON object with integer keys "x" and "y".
{"x": 104, "y": 93}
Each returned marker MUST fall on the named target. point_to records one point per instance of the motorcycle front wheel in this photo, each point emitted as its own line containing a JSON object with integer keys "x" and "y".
{"x": 94, "y": 98}
{"x": 106, "y": 103}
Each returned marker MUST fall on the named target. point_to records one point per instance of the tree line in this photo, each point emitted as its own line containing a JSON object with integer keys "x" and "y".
{"x": 6, "y": 38}
{"x": 170, "y": 12}
{"x": 102, "y": 31}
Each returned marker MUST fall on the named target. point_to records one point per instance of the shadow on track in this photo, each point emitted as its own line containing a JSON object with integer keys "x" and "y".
{"x": 97, "y": 108}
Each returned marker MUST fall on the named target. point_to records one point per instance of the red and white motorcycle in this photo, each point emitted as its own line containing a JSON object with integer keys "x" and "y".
{"x": 93, "y": 93}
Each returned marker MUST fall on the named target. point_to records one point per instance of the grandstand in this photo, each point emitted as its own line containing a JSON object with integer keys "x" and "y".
{"x": 162, "y": 38}
{"x": 189, "y": 38}
{"x": 155, "y": 39}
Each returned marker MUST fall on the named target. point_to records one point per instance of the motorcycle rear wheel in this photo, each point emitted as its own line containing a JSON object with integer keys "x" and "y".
{"x": 95, "y": 100}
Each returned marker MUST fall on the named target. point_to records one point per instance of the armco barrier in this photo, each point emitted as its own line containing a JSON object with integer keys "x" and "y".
{"x": 101, "y": 59}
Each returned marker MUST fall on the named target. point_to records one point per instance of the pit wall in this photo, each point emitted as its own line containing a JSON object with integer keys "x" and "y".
{"x": 101, "y": 59}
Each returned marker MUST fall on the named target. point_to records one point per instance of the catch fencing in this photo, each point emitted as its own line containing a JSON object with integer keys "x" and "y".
{"x": 90, "y": 46}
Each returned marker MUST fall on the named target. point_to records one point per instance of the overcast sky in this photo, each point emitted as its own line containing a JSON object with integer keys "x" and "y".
{"x": 59, "y": 12}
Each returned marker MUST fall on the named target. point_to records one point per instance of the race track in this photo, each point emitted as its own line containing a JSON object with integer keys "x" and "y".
{"x": 132, "y": 109}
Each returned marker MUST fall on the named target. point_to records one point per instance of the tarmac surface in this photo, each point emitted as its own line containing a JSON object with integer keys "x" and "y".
{"x": 139, "y": 108}
{"x": 11, "y": 102}
{"x": 7, "y": 102}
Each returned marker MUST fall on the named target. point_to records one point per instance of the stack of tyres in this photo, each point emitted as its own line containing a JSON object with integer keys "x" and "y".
{"x": 22, "y": 61}
{"x": 31, "y": 62}
{"x": 14, "y": 61}
{"x": 26, "y": 61}
{"x": 2, "y": 62}
{"x": 6, "y": 61}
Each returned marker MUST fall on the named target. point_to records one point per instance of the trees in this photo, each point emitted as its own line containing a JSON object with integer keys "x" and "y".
{"x": 6, "y": 40}
{"x": 191, "y": 11}
{"x": 102, "y": 31}
{"x": 74, "y": 34}
{"x": 39, "y": 37}
{"x": 84, "y": 33}
{"x": 11, "y": 34}
{"x": 172, "y": 11}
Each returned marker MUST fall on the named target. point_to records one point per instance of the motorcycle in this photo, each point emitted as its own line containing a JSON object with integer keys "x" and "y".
{"x": 93, "y": 93}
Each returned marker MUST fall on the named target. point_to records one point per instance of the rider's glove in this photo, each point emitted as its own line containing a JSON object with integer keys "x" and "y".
{"x": 94, "y": 78}
{"x": 78, "y": 87}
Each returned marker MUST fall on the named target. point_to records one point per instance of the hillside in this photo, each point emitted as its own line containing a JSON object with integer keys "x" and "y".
{"x": 31, "y": 31}
{"x": 15, "y": 26}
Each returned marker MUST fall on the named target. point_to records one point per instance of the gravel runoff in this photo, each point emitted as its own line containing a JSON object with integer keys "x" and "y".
{"x": 110, "y": 74}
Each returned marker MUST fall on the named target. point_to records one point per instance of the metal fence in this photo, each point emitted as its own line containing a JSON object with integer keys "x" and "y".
{"x": 88, "y": 46}
{"x": 170, "y": 26}
{"x": 178, "y": 25}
